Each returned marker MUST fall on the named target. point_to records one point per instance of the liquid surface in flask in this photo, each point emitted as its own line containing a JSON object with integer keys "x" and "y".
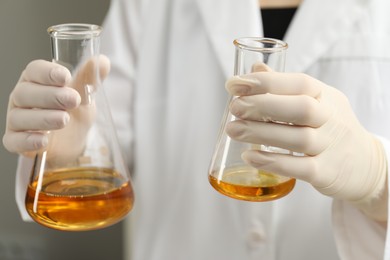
{"x": 79, "y": 199}
{"x": 250, "y": 184}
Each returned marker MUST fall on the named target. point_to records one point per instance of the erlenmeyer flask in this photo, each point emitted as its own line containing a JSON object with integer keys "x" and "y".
{"x": 228, "y": 173}
{"x": 80, "y": 181}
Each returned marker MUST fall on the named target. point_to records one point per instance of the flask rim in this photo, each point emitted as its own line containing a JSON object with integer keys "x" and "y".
{"x": 261, "y": 44}
{"x": 74, "y": 31}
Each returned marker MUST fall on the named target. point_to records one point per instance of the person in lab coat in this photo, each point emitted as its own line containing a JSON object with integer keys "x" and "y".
{"x": 169, "y": 63}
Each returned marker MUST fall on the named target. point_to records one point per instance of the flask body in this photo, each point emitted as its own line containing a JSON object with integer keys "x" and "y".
{"x": 80, "y": 180}
{"x": 228, "y": 173}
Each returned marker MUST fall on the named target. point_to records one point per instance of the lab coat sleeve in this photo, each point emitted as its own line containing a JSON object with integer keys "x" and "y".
{"x": 357, "y": 236}
{"x": 23, "y": 171}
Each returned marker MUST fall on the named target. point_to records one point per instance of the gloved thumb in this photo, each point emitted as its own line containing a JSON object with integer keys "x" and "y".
{"x": 90, "y": 75}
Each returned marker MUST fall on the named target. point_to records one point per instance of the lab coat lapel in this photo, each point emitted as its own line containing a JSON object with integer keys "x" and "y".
{"x": 226, "y": 20}
{"x": 317, "y": 25}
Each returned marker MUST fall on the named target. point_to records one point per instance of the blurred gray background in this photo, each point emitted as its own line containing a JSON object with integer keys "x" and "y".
{"x": 23, "y": 38}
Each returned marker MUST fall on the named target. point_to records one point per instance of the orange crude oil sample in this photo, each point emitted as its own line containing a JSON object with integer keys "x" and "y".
{"x": 251, "y": 185}
{"x": 80, "y": 199}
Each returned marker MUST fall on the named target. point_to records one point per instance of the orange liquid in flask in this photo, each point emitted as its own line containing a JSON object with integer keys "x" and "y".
{"x": 80, "y": 199}
{"x": 251, "y": 185}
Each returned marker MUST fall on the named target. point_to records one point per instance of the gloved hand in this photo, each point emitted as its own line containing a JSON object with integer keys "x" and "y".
{"x": 342, "y": 159}
{"x": 45, "y": 99}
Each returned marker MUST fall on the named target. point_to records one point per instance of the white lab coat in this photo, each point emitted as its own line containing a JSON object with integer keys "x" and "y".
{"x": 170, "y": 59}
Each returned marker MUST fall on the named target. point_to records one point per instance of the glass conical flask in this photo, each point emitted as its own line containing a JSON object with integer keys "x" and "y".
{"x": 80, "y": 181}
{"x": 228, "y": 173}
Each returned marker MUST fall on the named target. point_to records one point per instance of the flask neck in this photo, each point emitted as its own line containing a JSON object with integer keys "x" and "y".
{"x": 74, "y": 44}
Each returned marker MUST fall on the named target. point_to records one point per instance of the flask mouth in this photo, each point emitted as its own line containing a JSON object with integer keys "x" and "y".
{"x": 74, "y": 31}
{"x": 264, "y": 45}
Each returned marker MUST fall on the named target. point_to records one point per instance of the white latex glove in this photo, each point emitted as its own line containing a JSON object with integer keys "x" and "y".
{"x": 342, "y": 159}
{"x": 43, "y": 100}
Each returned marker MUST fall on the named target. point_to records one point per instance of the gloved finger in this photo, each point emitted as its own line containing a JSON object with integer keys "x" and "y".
{"x": 32, "y": 95}
{"x": 89, "y": 76}
{"x": 274, "y": 83}
{"x": 260, "y": 66}
{"x": 46, "y": 73}
{"x": 300, "y": 167}
{"x": 296, "y": 109}
{"x": 290, "y": 137}
{"x": 36, "y": 119}
{"x": 24, "y": 142}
